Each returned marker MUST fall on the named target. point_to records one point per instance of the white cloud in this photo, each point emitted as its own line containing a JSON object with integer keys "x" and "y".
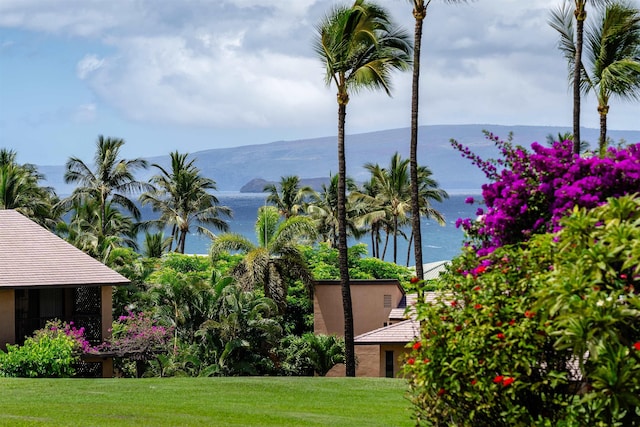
{"x": 85, "y": 113}
{"x": 87, "y": 65}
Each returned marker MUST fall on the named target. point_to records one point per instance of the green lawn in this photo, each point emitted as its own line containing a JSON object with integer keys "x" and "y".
{"x": 265, "y": 401}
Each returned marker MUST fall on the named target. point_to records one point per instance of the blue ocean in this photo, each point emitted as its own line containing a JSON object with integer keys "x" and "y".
{"x": 439, "y": 242}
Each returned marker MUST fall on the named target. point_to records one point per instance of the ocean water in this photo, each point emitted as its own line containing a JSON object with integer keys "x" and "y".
{"x": 439, "y": 242}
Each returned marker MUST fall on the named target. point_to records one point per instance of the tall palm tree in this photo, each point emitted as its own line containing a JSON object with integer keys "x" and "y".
{"x": 612, "y": 56}
{"x": 20, "y": 190}
{"x": 419, "y": 13}
{"x": 275, "y": 259}
{"x": 288, "y": 196}
{"x": 182, "y": 196}
{"x": 110, "y": 182}
{"x": 575, "y": 60}
{"x": 613, "y": 59}
{"x": 359, "y": 47}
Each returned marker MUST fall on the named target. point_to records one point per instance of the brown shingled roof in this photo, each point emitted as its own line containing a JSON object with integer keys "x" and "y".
{"x": 398, "y": 333}
{"x": 31, "y": 256}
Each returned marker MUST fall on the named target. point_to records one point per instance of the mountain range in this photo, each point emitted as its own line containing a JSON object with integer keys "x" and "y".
{"x": 233, "y": 168}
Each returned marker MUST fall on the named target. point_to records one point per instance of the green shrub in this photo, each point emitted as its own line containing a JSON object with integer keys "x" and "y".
{"x": 546, "y": 332}
{"x": 49, "y": 353}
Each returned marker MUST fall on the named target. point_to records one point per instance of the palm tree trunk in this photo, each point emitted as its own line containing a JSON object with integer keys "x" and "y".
{"x": 409, "y": 251}
{"x": 603, "y": 110}
{"x": 419, "y": 13}
{"x": 373, "y": 243}
{"x": 395, "y": 239}
{"x": 386, "y": 243}
{"x": 580, "y": 15}
{"x": 350, "y": 359}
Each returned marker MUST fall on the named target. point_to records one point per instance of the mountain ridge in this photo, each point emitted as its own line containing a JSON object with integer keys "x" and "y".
{"x": 234, "y": 167}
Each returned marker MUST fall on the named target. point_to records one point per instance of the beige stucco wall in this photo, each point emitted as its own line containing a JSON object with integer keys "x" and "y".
{"x": 367, "y": 300}
{"x": 399, "y": 357}
{"x": 367, "y": 363}
{"x": 7, "y": 318}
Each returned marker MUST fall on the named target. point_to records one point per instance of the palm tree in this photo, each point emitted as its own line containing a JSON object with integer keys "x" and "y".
{"x": 612, "y": 56}
{"x": 322, "y": 208}
{"x": 359, "y": 47}
{"x": 275, "y": 259}
{"x": 287, "y": 196}
{"x": 575, "y": 59}
{"x": 110, "y": 182}
{"x": 419, "y": 13}
{"x": 20, "y": 190}
{"x": 182, "y": 197}
{"x": 613, "y": 60}
{"x": 98, "y": 230}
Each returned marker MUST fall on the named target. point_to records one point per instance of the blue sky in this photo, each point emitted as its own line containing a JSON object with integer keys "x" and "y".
{"x": 191, "y": 75}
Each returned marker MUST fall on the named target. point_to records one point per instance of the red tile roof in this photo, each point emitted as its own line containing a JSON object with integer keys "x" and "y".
{"x": 31, "y": 256}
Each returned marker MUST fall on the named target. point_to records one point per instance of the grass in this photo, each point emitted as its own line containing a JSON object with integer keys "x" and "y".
{"x": 244, "y": 401}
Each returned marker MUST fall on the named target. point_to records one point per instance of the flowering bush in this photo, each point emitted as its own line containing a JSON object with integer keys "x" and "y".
{"x": 532, "y": 191}
{"x": 51, "y": 352}
{"x": 137, "y": 336}
{"x": 542, "y": 332}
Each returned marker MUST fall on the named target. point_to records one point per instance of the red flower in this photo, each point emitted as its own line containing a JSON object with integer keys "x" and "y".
{"x": 441, "y": 392}
{"x": 477, "y": 306}
{"x": 623, "y": 276}
{"x": 454, "y": 303}
{"x": 477, "y": 288}
{"x": 480, "y": 269}
{"x": 426, "y": 360}
{"x": 637, "y": 346}
{"x": 498, "y": 379}
{"x": 512, "y": 322}
{"x": 411, "y": 361}
{"x": 507, "y": 381}
{"x": 414, "y": 280}
{"x": 500, "y": 335}
{"x": 473, "y": 382}
{"x": 529, "y": 314}
{"x": 417, "y": 345}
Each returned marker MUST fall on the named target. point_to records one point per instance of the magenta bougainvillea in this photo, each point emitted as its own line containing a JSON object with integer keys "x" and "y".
{"x": 532, "y": 190}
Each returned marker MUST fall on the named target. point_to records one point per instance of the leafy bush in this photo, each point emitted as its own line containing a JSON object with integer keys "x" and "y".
{"x": 51, "y": 352}
{"x": 310, "y": 353}
{"x": 323, "y": 262}
{"x": 545, "y": 332}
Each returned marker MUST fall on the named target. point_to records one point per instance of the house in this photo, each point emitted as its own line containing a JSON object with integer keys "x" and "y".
{"x": 382, "y": 325}
{"x": 42, "y": 277}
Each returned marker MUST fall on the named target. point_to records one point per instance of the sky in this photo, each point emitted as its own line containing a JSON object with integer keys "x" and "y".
{"x": 192, "y": 75}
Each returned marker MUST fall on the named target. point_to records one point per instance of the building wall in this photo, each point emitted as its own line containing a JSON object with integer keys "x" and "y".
{"x": 399, "y": 356}
{"x": 368, "y": 302}
{"x": 367, "y": 363}
{"x": 7, "y": 318}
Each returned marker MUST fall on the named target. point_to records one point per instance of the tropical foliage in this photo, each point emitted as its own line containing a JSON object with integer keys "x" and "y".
{"x": 276, "y": 259}
{"x": 20, "y": 190}
{"x": 182, "y": 197}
